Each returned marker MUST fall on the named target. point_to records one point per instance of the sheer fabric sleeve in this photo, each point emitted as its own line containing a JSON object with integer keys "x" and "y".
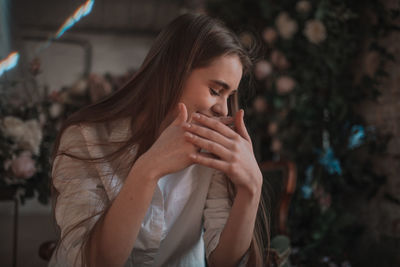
{"x": 216, "y": 213}
{"x": 81, "y": 199}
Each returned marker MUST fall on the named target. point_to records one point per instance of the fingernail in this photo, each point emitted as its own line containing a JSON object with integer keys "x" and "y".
{"x": 196, "y": 115}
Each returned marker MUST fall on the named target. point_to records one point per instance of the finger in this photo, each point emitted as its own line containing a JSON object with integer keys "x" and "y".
{"x": 209, "y": 134}
{"x": 240, "y": 126}
{"x": 208, "y": 145}
{"x": 215, "y": 125}
{"x": 210, "y": 160}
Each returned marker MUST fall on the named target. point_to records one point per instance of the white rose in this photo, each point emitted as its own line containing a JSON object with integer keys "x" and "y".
{"x": 32, "y": 137}
{"x": 13, "y": 127}
{"x": 262, "y": 69}
{"x": 315, "y": 31}
{"x": 286, "y": 26}
{"x": 55, "y": 110}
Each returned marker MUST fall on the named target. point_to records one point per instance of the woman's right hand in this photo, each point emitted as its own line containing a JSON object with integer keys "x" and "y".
{"x": 170, "y": 152}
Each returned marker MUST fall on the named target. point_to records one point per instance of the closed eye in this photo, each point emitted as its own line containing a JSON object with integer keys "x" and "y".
{"x": 213, "y": 92}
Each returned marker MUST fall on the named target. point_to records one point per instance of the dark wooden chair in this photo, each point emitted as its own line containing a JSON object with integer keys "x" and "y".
{"x": 281, "y": 179}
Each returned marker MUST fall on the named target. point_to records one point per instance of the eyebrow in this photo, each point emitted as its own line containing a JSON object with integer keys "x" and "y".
{"x": 223, "y": 84}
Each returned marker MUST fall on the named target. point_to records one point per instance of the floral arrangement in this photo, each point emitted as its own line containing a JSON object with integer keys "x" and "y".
{"x": 28, "y": 129}
{"x": 318, "y": 60}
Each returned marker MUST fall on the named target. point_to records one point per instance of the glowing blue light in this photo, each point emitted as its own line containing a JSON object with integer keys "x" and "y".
{"x": 9, "y": 62}
{"x": 74, "y": 18}
{"x": 357, "y": 136}
{"x": 330, "y": 162}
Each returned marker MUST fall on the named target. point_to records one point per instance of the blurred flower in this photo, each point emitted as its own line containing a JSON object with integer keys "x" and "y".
{"x": 42, "y": 119}
{"x": 286, "y": 26}
{"x": 285, "y": 84}
{"x": 55, "y": 110}
{"x": 55, "y": 95}
{"x": 246, "y": 39}
{"x": 13, "y": 127}
{"x": 23, "y": 166}
{"x": 27, "y": 134}
{"x": 272, "y": 128}
{"x": 279, "y": 60}
{"x": 34, "y": 67}
{"x": 259, "y": 104}
{"x": 32, "y": 137}
{"x": 276, "y": 145}
{"x": 269, "y": 35}
{"x": 371, "y": 63}
{"x": 262, "y": 69}
{"x": 99, "y": 87}
{"x": 79, "y": 88}
{"x": 303, "y": 6}
{"x": 315, "y": 31}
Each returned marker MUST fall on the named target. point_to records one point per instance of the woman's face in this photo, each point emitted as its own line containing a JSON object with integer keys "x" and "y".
{"x": 207, "y": 89}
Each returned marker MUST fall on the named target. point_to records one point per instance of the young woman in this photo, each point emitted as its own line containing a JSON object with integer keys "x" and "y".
{"x": 153, "y": 175}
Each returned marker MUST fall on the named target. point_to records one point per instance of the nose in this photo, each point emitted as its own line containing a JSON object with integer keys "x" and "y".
{"x": 220, "y": 108}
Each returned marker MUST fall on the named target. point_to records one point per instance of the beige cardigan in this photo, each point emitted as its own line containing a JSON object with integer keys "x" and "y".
{"x": 183, "y": 223}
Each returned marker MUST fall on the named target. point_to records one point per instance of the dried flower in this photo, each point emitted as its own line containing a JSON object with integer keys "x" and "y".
{"x": 269, "y": 35}
{"x": 286, "y": 26}
{"x": 315, "y": 31}
{"x": 262, "y": 69}
{"x": 23, "y": 166}
{"x": 303, "y": 6}
{"x": 285, "y": 84}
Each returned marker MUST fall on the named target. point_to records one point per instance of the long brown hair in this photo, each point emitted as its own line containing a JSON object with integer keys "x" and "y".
{"x": 190, "y": 41}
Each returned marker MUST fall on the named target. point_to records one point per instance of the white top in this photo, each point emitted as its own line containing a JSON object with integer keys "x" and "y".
{"x": 182, "y": 225}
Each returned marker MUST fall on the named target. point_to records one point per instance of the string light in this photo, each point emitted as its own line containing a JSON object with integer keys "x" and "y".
{"x": 9, "y": 62}
{"x": 12, "y": 60}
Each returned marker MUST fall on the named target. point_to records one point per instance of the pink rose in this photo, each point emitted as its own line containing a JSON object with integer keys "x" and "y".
{"x": 269, "y": 35}
{"x": 262, "y": 69}
{"x": 259, "y": 104}
{"x": 23, "y": 166}
{"x": 285, "y": 84}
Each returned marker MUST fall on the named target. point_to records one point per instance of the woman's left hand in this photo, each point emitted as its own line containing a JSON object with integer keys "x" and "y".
{"x": 234, "y": 150}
